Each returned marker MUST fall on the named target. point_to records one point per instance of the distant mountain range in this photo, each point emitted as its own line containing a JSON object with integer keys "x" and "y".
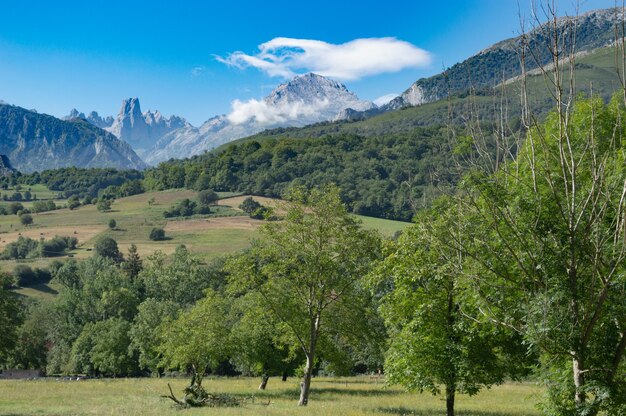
{"x": 34, "y": 141}
{"x": 304, "y": 100}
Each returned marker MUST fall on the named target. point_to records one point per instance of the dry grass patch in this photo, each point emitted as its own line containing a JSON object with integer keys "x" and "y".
{"x": 82, "y": 232}
{"x": 219, "y": 223}
{"x": 234, "y": 202}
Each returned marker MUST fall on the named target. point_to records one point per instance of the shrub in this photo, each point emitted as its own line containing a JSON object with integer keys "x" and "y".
{"x": 26, "y": 276}
{"x": 14, "y": 208}
{"x": 43, "y": 206}
{"x": 157, "y": 234}
{"x": 22, "y": 248}
{"x": 184, "y": 208}
{"x": 73, "y": 202}
{"x": 249, "y": 205}
{"x": 26, "y": 219}
{"x": 207, "y": 197}
{"x": 104, "y": 205}
{"x": 57, "y": 246}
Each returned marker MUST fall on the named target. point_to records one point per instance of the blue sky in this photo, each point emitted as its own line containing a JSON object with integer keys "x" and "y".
{"x": 55, "y": 56}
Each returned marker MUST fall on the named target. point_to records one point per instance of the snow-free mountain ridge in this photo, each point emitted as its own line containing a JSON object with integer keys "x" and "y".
{"x": 36, "y": 142}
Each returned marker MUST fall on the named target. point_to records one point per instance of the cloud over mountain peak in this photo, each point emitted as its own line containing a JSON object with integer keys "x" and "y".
{"x": 286, "y": 57}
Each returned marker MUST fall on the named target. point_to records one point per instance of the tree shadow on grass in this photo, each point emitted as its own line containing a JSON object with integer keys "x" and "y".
{"x": 406, "y": 411}
{"x": 45, "y": 289}
{"x": 316, "y": 392}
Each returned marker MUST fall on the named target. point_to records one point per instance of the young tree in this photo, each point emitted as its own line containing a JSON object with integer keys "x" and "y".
{"x": 145, "y": 332}
{"x": 436, "y": 337}
{"x": 258, "y": 346}
{"x": 107, "y": 247}
{"x": 197, "y": 338}
{"x": 307, "y": 267}
{"x": 133, "y": 264}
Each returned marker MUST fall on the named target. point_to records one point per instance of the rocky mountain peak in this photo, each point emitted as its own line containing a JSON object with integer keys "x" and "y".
{"x": 309, "y": 88}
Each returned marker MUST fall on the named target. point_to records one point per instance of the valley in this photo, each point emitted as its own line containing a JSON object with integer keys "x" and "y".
{"x": 450, "y": 240}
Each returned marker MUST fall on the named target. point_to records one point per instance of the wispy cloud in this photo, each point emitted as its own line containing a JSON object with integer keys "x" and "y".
{"x": 382, "y": 100}
{"x": 286, "y": 57}
{"x": 196, "y": 71}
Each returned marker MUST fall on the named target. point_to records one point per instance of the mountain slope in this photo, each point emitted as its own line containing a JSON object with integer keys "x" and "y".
{"x": 34, "y": 142}
{"x": 501, "y": 61}
{"x": 5, "y": 166}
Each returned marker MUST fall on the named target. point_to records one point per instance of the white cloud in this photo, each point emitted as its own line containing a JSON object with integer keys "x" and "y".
{"x": 266, "y": 114}
{"x": 196, "y": 71}
{"x": 286, "y": 57}
{"x": 382, "y": 100}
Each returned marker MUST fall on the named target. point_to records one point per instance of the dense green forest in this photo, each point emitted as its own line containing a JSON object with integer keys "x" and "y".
{"x": 81, "y": 182}
{"x": 379, "y": 176}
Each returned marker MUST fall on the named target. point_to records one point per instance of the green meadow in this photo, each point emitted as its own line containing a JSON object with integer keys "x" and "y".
{"x": 329, "y": 396}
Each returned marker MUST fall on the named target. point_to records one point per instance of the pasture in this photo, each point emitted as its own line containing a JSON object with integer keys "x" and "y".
{"x": 225, "y": 231}
{"x": 329, "y": 396}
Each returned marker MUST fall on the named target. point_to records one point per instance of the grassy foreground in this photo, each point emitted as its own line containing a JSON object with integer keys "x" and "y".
{"x": 330, "y": 396}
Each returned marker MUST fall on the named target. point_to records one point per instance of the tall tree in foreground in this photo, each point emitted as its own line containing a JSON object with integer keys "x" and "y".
{"x": 549, "y": 232}
{"x": 547, "y": 228}
{"x": 307, "y": 267}
{"x": 437, "y": 339}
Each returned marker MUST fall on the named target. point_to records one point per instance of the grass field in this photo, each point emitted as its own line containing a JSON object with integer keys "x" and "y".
{"x": 329, "y": 396}
{"x": 207, "y": 237}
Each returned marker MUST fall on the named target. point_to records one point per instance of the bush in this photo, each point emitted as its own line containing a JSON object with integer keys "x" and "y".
{"x": 58, "y": 246}
{"x": 43, "y": 206}
{"x": 14, "y": 208}
{"x": 249, "y": 205}
{"x": 157, "y": 234}
{"x": 207, "y": 197}
{"x": 22, "y": 248}
{"x": 104, "y": 205}
{"x": 184, "y": 208}
{"x": 25, "y": 276}
{"x": 26, "y": 219}
{"x": 73, "y": 202}
{"x": 260, "y": 213}
{"x": 255, "y": 210}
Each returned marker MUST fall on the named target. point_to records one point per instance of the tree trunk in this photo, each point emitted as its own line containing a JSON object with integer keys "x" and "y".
{"x": 305, "y": 385}
{"x": 450, "y": 392}
{"x": 264, "y": 379}
{"x": 579, "y": 382}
